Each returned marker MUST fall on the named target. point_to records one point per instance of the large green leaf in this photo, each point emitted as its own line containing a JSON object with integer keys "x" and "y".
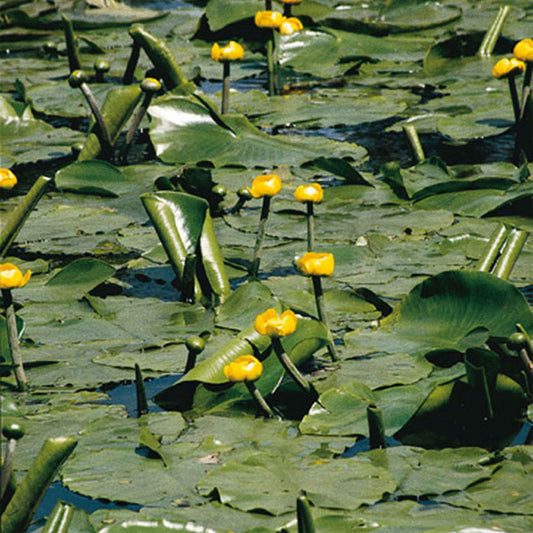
{"x": 453, "y": 310}
{"x": 184, "y": 226}
{"x": 184, "y": 131}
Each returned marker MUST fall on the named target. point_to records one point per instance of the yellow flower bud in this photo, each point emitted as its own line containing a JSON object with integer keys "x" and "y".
{"x": 315, "y": 264}
{"x": 523, "y": 50}
{"x": 244, "y": 368}
{"x": 11, "y": 277}
{"x": 231, "y": 52}
{"x": 7, "y": 179}
{"x": 309, "y": 193}
{"x": 268, "y": 19}
{"x": 269, "y": 323}
{"x": 290, "y": 25}
{"x": 291, "y": 1}
{"x": 265, "y": 185}
{"x": 508, "y": 67}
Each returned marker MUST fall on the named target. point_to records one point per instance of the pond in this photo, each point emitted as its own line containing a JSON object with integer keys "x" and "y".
{"x": 312, "y": 308}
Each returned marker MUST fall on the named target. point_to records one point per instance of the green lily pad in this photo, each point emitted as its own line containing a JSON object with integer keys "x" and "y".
{"x": 178, "y": 123}
{"x": 452, "y": 311}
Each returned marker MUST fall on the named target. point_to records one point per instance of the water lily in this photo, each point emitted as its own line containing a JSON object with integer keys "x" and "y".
{"x": 7, "y": 179}
{"x": 290, "y": 25}
{"x": 509, "y": 68}
{"x": 247, "y": 369}
{"x": 316, "y": 264}
{"x": 231, "y": 52}
{"x": 312, "y": 192}
{"x": 11, "y": 276}
{"x": 268, "y": 19}
{"x": 269, "y": 323}
{"x": 277, "y": 326}
{"x": 264, "y": 186}
{"x": 244, "y": 368}
{"x": 523, "y": 50}
{"x": 309, "y": 194}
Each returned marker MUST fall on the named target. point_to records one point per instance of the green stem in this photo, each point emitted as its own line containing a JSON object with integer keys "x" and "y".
{"x": 103, "y": 132}
{"x": 303, "y": 514}
{"x": 265, "y": 208}
{"x": 127, "y": 79}
{"x": 270, "y": 65}
{"x": 258, "y": 397}
{"x": 492, "y": 251}
{"x": 414, "y": 140}
{"x": 188, "y": 281}
{"x": 136, "y": 120}
{"x": 13, "y": 339}
{"x": 74, "y": 62}
{"x": 376, "y": 427}
{"x": 291, "y": 369}
{"x": 510, "y": 253}
{"x": 142, "y": 402}
{"x": 514, "y": 97}
{"x": 493, "y": 33}
{"x": 321, "y": 310}
{"x": 287, "y": 10}
{"x": 526, "y": 87}
{"x": 21, "y": 213}
{"x": 7, "y": 465}
{"x": 35, "y": 483}
{"x": 310, "y": 227}
{"x": 225, "y": 88}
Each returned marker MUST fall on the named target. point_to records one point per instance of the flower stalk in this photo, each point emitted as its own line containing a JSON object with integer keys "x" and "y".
{"x": 259, "y": 399}
{"x": 291, "y": 368}
{"x": 256, "y": 259}
{"x": 77, "y": 80}
{"x": 140, "y": 391}
{"x": 13, "y": 339}
{"x": 12, "y": 432}
{"x": 322, "y": 315}
{"x": 135, "y": 53}
{"x": 310, "y": 226}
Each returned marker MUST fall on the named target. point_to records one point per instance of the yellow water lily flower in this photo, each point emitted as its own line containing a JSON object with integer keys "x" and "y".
{"x": 523, "y": 50}
{"x": 268, "y": 19}
{"x": 269, "y": 323}
{"x": 11, "y": 277}
{"x": 231, "y": 52}
{"x": 290, "y": 25}
{"x": 291, "y": 1}
{"x": 309, "y": 193}
{"x": 316, "y": 264}
{"x": 244, "y": 368}
{"x": 508, "y": 67}
{"x": 265, "y": 185}
{"x": 7, "y": 179}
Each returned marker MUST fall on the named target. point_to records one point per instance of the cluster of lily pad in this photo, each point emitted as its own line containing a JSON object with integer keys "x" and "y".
{"x": 432, "y": 341}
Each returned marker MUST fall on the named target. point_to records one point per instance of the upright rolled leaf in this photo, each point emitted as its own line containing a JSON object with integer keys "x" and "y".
{"x": 33, "y": 487}
{"x": 184, "y": 226}
{"x": 117, "y": 109}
